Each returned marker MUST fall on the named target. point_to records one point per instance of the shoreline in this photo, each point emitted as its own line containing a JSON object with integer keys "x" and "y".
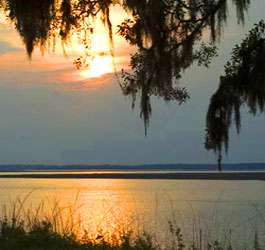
{"x": 167, "y": 176}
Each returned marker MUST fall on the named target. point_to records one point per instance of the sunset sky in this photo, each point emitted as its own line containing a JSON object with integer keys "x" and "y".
{"x": 52, "y": 113}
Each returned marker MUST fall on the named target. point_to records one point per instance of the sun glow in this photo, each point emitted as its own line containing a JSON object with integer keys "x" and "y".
{"x": 57, "y": 63}
{"x": 98, "y": 67}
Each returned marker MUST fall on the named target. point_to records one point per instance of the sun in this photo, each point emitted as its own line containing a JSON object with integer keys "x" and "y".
{"x": 98, "y": 67}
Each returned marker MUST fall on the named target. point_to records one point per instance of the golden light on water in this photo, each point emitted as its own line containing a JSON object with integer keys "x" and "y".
{"x": 96, "y": 206}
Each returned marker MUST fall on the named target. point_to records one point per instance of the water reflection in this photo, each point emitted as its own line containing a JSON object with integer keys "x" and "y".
{"x": 105, "y": 206}
{"x": 100, "y": 208}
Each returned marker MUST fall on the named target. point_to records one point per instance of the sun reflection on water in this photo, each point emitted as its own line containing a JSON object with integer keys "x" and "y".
{"x": 109, "y": 207}
{"x": 99, "y": 213}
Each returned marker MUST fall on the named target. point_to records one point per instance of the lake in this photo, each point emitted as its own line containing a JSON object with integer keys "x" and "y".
{"x": 106, "y": 205}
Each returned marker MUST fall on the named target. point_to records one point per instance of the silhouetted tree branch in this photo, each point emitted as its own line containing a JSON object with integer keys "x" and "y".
{"x": 242, "y": 84}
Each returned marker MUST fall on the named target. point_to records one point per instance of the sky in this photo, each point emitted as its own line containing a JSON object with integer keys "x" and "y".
{"x": 52, "y": 113}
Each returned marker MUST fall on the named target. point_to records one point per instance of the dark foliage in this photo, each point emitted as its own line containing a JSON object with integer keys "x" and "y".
{"x": 166, "y": 33}
{"x": 242, "y": 85}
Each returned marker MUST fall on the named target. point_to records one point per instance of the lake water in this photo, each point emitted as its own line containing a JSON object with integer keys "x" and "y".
{"x": 106, "y": 205}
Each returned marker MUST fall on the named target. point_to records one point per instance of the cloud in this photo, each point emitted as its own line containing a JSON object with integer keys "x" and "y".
{"x": 5, "y": 47}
